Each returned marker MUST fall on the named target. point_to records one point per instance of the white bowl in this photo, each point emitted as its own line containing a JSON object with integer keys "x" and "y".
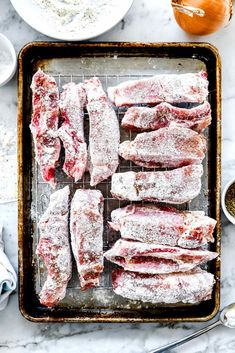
{"x": 9, "y": 71}
{"x": 34, "y": 15}
{"x": 227, "y": 214}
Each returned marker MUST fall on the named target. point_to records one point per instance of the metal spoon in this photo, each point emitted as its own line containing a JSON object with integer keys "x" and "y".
{"x": 226, "y": 318}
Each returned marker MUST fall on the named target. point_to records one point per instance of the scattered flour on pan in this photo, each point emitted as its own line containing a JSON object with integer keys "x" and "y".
{"x": 76, "y": 15}
{"x": 8, "y": 162}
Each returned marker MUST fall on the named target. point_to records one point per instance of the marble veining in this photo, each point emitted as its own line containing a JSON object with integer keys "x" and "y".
{"x": 151, "y": 21}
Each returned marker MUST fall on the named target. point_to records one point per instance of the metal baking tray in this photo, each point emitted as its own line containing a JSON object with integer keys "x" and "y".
{"x": 112, "y": 63}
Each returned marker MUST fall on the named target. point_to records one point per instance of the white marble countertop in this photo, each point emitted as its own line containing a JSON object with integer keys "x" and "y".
{"x": 148, "y": 20}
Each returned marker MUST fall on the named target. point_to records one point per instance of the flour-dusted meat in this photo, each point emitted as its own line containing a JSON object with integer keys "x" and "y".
{"x": 163, "y": 225}
{"x": 54, "y": 248}
{"x": 72, "y": 103}
{"x": 171, "y": 88}
{"x": 104, "y": 133}
{"x": 187, "y": 287}
{"x": 166, "y": 147}
{"x": 156, "y": 259}
{"x": 164, "y": 114}
{"x": 44, "y": 124}
{"x": 174, "y": 186}
{"x": 86, "y": 228}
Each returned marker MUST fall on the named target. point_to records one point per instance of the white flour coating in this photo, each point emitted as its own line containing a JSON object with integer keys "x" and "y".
{"x": 171, "y": 88}
{"x": 104, "y": 134}
{"x": 72, "y": 102}
{"x": 166, "y": 147}
{"x": 44, "y": 124}
{"x": 197, "y": 221}
{"x": 156, "y": 259}
{"x": 54, "y": 248}
{"x": 86, "y": 228}
{"x": 163, "y": 225}
{"x": 165, "y": 114}
{"x": 190, "y": 287}
{"x": 124, "y": 186}
{"x": 75, "y": 15}
{"x": 175, "y": 186}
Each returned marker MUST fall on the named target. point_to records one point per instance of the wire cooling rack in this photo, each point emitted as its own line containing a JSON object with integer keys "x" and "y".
{"x": 43, "y": 191}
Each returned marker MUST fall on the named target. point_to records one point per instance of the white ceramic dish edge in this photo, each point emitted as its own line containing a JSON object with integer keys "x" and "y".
{"x": 12, "y": 52}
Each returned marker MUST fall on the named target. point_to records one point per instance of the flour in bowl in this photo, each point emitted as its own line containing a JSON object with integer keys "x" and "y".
{"x": 75, "y": 15}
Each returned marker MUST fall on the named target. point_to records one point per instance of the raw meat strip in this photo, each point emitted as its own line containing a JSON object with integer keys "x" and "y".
{"x": 174, "y": 186}
{"x": 188, "y": 287}
{"x": 163, "y": 225}
{"x": 166, "y": 147}
{"x": 86, "y": 228}
{"x": 104, "y": 133}
{"x": 156, "y": 259}
{"x": 54, "y": 248}
{"x": 72, "y": 103}
{"x": 171, "y": 88}
{"x": 44, "y": 124}
{"x": 165, "y": 114}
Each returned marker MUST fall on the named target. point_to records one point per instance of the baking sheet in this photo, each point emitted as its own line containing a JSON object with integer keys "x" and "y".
{"x": 111, "y": 69}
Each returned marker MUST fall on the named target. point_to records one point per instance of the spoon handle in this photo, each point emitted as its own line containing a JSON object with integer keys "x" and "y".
{"x": 186, "y": 339}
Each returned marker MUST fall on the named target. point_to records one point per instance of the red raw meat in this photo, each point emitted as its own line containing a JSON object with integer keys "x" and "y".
{"x": 171, "y": 88}
{"x": 104, "y": 133}
{"x": 44, "y": 124}
{"x": 54, "y": 248}
{"x": 166, "y": 147}
{"x": 163, "y": 225}
{"x": 72, "y": 103}
{"x": 156, "y": 259}
{"x": 187, "y": 287}
{"x": 86, "y": 228}
{"x": 174, "y": 186}
{"x": 165, "y": 114}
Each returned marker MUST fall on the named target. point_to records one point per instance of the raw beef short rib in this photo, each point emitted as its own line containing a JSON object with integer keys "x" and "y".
{"x": 163, "y": 225}
{"x": 174, "y": 186}
{"x": 164, "y": 114}
{"x": 72, "y": 103}
{"x": 86, "y": 228}
{"x": 188, "y": 287}
{"x": 104, "y": 133}
{"x": 44, "y": 124}
{"x": 156, "y": 259}
{"x": 54, "y": 248}
{"x": 171, "y": 88}
{"x": 166, "y": 147}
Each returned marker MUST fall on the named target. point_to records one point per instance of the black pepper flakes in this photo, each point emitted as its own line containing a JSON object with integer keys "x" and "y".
{"x": 230, "y": 200}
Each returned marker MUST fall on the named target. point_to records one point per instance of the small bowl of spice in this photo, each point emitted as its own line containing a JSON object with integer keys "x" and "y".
{"x": 7, "y": 60}
{"x": 228, "y": 201}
